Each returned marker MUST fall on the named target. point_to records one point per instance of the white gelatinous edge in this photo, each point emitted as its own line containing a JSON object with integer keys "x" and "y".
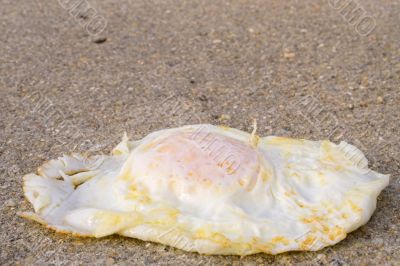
{"x": 68, "y": 171}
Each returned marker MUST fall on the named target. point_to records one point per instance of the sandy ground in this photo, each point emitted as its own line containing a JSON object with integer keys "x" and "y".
{"x": 301, "y": 68}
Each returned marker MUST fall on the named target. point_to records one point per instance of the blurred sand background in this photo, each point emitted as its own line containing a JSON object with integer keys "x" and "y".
{"x": 301, "y": 68}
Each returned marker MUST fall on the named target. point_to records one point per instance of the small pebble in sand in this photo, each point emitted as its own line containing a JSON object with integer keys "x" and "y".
{"x": 379, "y": 99}
{"x": 203, "y": 98}
{"x": 289, "y": 55}
{"x": 10, "y": 203}
{"x": 99, "y": 39}
{"x": 224, "y": 117}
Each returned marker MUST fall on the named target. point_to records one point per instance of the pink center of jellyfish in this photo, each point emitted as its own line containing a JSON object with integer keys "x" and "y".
{"x": 207, "y": 158}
